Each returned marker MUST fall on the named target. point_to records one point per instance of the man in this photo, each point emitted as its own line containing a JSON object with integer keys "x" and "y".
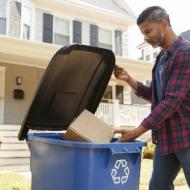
{"x": 169, "y": 94}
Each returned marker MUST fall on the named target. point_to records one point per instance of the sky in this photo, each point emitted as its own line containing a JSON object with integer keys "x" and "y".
{"x": 178, "y": 11}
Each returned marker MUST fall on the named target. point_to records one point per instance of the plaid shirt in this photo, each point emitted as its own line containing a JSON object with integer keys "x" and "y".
{"x": 170, "y": 120}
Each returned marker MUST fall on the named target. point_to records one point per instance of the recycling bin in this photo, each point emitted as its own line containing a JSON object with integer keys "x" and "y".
{"x": 74, "y": 80}
{"x": 71, "y": 165}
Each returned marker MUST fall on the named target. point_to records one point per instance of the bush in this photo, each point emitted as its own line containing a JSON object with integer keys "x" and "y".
{"x": 148, "y": 151}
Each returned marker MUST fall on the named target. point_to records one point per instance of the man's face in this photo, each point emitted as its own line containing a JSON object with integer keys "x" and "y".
{"x": 153, "y": 33}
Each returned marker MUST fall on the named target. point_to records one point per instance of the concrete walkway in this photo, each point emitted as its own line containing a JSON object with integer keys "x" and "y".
{"x": 181, "y": 188}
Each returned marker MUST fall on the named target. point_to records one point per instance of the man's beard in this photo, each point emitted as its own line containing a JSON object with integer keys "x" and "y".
{"x": 157, "y": 42}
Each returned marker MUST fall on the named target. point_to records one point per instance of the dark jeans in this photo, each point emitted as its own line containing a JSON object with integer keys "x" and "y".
{"x": 166, "y": 168}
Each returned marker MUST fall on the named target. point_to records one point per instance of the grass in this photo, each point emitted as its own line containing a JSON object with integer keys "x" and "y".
{"x": 14, "y": 181}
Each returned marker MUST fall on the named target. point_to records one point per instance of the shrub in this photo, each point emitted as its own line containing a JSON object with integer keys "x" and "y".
{"x": 148, "y": 151}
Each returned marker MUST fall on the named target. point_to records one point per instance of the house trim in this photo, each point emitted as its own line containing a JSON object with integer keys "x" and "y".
{"x": 2, "y": 70}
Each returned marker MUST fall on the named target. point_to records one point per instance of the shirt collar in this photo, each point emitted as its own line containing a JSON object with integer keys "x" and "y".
{"x": 175, "y": 45}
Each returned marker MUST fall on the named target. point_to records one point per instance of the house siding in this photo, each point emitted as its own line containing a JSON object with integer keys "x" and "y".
{"x": 30, "y": 79}
{"x": 38, "y": 25}
{"x": 125, "y": 43}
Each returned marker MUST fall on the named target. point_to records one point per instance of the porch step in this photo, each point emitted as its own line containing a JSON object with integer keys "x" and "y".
{"x": 14, "y": 154}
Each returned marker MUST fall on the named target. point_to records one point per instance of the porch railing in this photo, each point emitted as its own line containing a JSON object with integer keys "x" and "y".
{"x": 122, "y": 115}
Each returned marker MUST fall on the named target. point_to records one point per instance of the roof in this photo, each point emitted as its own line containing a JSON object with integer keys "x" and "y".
{"x": 116, "y": 6}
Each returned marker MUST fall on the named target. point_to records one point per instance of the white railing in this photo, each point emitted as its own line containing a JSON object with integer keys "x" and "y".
{"x": 122, "y": 115}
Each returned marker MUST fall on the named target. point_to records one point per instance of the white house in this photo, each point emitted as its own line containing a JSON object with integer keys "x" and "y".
{"x": 31, "y": 31}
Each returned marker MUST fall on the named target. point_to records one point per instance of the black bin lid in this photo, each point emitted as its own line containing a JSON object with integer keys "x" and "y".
{"x": 74, "y": 80}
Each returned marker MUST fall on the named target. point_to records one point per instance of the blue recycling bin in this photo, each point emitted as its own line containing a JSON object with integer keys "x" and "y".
{"x": 75, "y": 80}
{"x": 72, "y": 165}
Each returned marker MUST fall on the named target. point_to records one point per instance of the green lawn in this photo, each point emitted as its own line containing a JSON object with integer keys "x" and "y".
{"x": 14, "y": 181}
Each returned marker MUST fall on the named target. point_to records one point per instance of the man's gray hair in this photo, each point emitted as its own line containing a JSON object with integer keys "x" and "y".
{"x": 154, "y": 13}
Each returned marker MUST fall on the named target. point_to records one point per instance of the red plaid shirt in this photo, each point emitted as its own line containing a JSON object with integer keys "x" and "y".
{"x": 170, "y": 120}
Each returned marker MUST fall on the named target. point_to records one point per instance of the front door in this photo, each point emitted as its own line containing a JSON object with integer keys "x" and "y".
{"x": 2, "y": 93}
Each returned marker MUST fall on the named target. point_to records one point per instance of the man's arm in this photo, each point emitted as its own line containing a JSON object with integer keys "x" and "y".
{"x": 130, "y": 135}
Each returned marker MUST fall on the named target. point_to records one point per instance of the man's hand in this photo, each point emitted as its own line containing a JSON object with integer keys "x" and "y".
{"x": 130, "y": 135}
{"x": 121, "y": 74}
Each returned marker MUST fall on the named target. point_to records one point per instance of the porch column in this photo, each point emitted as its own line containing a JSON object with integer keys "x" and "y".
{"x": 116, "y": 113}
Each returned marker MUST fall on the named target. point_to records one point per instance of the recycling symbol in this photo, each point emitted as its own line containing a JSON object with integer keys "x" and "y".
{"x": 120, "y": 172}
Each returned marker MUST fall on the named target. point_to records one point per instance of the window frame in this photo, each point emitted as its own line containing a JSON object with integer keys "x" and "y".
{"x": 61, "y": 34}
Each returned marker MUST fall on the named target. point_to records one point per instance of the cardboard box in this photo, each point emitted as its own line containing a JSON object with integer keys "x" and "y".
{"x": 87, "y": 127}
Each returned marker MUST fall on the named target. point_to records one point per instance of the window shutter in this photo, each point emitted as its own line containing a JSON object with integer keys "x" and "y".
{"x": 118, "y": 42}
{"x": 77, "y": 30}
{"x": 15, "y": 16}
{"x": 94, "y": 35}
{"x": 47, "y": 28}
{"x": 2, "y": 26}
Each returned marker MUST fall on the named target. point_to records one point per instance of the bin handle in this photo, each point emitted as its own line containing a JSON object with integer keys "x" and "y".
{"x": 125, "y": 150}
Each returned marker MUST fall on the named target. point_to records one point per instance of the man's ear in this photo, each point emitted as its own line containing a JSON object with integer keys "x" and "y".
{"x": 164, "y": 23}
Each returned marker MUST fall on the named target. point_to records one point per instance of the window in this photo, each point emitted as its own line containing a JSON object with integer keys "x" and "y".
{"x": 15, "y": 17}
{"x": 119, "y": 93}
{"x": 118, "y": 42}
{"x": 2, "y": 25}
{"x": 105, "y": 38}
{"x": 27, "y": 22}
{"x": 61, "y": 32}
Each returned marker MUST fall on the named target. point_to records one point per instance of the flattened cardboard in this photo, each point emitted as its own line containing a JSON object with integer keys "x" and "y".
{"x": 88, "y": 128}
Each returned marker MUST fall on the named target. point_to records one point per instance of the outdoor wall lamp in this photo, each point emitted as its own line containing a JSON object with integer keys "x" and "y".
{"x": 18, "y": 80}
